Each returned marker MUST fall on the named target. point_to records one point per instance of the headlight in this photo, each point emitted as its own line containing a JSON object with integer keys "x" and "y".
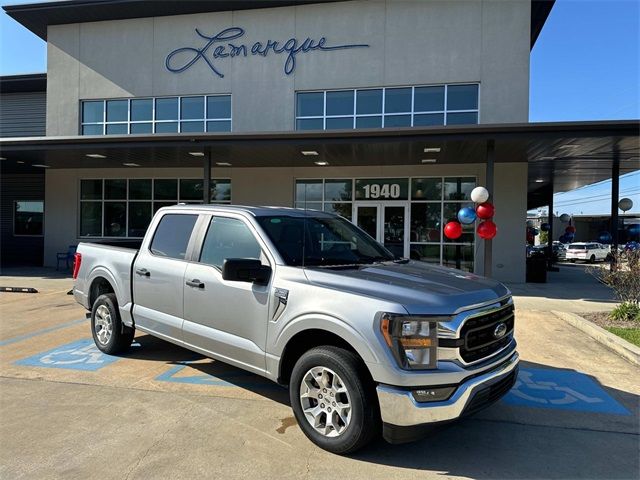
{"x": 413, "y": 340}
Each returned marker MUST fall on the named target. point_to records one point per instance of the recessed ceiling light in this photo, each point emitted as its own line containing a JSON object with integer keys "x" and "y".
{"x": 322, "y": 163}
{"x": 223, "y": 164}
{"x": 539, "y": 180}
{"x": 429, "y": 160}
{"x": 547, "y": 158}
{"x": 197, "y": 154}
{"x": 310, "y": 153}
{"x": 432, "y": 150}
{"x": 3, "y": 158}
{"x": 569, "y": 145}
{"x": 19, "y": 161}
{"x": 95, "y": 155}
{"x": 39, "y": 165}
{"x": 130, "y": 164}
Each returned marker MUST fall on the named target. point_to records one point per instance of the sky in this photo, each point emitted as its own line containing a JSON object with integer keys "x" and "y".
{"x": 584, "y": 66}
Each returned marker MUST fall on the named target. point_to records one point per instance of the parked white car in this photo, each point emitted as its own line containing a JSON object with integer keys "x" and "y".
{"x": 587, "y": 251}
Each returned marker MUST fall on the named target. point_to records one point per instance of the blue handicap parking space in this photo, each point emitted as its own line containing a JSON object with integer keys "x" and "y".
{"x": 238, "y": 378}
{"x": 80, "y": 355}
{"x": 563, "y": 390}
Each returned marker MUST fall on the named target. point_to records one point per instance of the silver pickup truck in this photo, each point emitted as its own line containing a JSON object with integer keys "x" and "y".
{"x": 366, "y": 342}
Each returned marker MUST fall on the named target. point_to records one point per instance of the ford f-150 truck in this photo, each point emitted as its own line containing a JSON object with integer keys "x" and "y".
{"x": 366, "y": 342}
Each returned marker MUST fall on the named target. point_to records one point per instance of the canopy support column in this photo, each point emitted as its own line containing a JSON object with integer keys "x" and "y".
{"x": 206, "y": 179}
{"x": 615, "y": 194}
{"x": 489, "y": 183}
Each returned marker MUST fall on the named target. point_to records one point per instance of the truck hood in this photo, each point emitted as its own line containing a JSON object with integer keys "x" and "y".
{"x": 419, "y": 287}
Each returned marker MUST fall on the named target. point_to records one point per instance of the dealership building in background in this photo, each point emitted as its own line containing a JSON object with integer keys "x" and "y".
{"x": 388, "y": 112}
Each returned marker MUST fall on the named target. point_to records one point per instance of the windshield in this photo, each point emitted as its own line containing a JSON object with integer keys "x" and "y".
{"x": 326, "y": 241}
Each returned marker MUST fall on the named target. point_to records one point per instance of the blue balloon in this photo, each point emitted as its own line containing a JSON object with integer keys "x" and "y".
{"x": 534, "y": 232}
{"x": 466, "y": 215}
{"x": 605, "y": 237}
{"x": 570, "y": 236}
{"x": 563, "y": 238}
{"x": 545, "y": 227}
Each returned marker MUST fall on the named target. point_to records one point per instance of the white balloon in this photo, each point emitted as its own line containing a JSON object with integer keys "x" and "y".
{"x": 564, "y": 218}
{"x": 479, "y": 195}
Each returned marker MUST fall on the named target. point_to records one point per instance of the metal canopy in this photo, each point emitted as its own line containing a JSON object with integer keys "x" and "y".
{"x": 572, "y": 154}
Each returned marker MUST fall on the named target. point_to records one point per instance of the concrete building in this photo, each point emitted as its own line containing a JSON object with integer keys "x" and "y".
{"x": 386, "y": 111}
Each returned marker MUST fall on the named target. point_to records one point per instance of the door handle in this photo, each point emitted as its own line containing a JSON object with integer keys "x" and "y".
{"x": 195, "y": 283}
{"x": 143, "y": 272}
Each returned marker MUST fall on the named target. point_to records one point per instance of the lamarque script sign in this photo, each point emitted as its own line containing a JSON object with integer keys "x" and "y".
{"x": 221, "y": 46}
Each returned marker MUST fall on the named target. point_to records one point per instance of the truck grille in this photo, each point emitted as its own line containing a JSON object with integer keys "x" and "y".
{"x": 478, "y": 334}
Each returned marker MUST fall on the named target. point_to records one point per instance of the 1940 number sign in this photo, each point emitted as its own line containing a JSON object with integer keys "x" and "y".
{"x": 385, "y": 190}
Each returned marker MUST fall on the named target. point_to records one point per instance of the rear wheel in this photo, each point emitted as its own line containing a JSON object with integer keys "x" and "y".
{"x": 109, "y": 333}
{"x": 334, "y": 400}
{"x": 592, "y": 259}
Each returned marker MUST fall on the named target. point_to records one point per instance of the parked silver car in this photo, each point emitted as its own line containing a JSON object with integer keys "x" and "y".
{"x": 366, "y": 342}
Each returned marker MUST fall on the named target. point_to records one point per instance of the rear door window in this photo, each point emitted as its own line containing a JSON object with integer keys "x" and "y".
{"x": 228, "y": 238}
{"x": 172, "y": 236}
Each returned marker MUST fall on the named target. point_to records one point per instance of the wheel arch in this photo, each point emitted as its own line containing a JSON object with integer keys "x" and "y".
{"x": 305, "y": 339}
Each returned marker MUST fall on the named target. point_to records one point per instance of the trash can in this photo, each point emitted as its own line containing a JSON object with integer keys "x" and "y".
{"x": 537, "y": 268}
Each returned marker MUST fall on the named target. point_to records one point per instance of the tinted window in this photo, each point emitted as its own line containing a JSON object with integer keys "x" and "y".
{"x": 172, "y": 235}
{"x": 27, "y": 217}
{"x": 228, "y": 238}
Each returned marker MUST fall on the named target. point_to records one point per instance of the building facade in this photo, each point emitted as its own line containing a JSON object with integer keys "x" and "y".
{"x": 302, "y": 66}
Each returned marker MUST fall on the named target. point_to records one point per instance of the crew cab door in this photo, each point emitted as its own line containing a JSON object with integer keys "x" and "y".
{"x": 226, "y": 319}
{"x": 158, "y": 275}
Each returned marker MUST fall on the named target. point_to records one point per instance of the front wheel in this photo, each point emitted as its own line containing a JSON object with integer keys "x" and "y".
{"x": 592, "y": 259}
{"x": 109, "y": 334}
{"x": 334, "y": 400}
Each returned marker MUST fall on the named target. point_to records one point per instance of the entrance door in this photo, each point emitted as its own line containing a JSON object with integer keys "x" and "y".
{"x": 387, "y": 222}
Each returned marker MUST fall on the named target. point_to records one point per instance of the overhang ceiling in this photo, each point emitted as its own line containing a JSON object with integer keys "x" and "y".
{"x": 571, "y": 154}
{"x": 38, "y": 16}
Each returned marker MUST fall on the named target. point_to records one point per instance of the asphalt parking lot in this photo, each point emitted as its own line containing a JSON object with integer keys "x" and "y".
{"x": 163, "y": 412}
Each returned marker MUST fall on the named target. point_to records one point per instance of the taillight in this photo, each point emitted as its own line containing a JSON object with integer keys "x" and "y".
{"x": 77, "y": 260}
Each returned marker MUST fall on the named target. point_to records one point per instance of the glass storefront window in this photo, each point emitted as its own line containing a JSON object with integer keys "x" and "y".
{"x": 432, "y": 202}
{"x": 397, "y": 100}
{"x": 309, "y": 191}
{"x": 124, "y": 207}
{"x": 93, "y": 112}
{"x": 369, "y": 102}
{"x": 28, "y": 216}
{"x": 117, "y": 110}
{"x": 142, "y": 110}
{"x": 459, "y": 188}
{"x": 429, "y": 99}
{"x": 340, "y": 103}
{"x": 462, "y": 97}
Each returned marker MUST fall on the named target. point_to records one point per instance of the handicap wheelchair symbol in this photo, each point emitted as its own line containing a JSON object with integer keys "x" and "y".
{"x": 561, "y": 389}
{"x": 80, "y": 355}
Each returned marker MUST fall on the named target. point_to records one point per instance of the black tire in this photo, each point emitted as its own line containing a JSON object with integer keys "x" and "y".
{"x": 365, "y": 424}
{"x": 121, "y": 335}
{"x": 592, "y": 259}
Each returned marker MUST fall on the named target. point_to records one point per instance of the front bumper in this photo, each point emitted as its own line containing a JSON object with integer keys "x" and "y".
{"x": 399, "y": 408}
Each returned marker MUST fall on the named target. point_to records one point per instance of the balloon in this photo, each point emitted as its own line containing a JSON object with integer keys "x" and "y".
{"x": 467, "y": 215}
{"x": 545, "y": 227}
{"x": 605, "y": 237}
{"x": 453, "y": 230}
{"x": 487, "y": 230}
{"x": 625, "y": 204}
{"x": 535, "y": 232}
{"x": 479, "y": 195}
{"x": 530, "y": 223}
{"x": 564, "y": 218}
{"x": 485, "y": 210}
{"x": 570, "y": 229}
{"x": 570, "y": 236}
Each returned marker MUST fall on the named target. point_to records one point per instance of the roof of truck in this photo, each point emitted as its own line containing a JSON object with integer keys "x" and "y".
{"x": 261, "y": 211}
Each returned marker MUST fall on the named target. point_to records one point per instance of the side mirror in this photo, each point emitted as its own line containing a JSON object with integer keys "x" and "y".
{"x": 245, "y": 270}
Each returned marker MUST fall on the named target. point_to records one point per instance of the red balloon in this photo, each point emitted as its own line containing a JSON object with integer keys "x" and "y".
{"x": 570, "y": 229}
{"x": 487, "y": 230}
{"x": 453, "y": 230}
{"x": 485, "y": 210}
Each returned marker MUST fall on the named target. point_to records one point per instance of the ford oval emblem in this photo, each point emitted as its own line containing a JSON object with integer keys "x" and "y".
{"x": 500, "y": 330}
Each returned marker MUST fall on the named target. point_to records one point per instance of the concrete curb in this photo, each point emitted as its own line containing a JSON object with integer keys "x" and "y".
{"x": 613, "y": 342}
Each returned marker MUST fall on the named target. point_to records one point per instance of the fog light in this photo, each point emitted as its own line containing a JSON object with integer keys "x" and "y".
{"x": 436, "y": 394}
